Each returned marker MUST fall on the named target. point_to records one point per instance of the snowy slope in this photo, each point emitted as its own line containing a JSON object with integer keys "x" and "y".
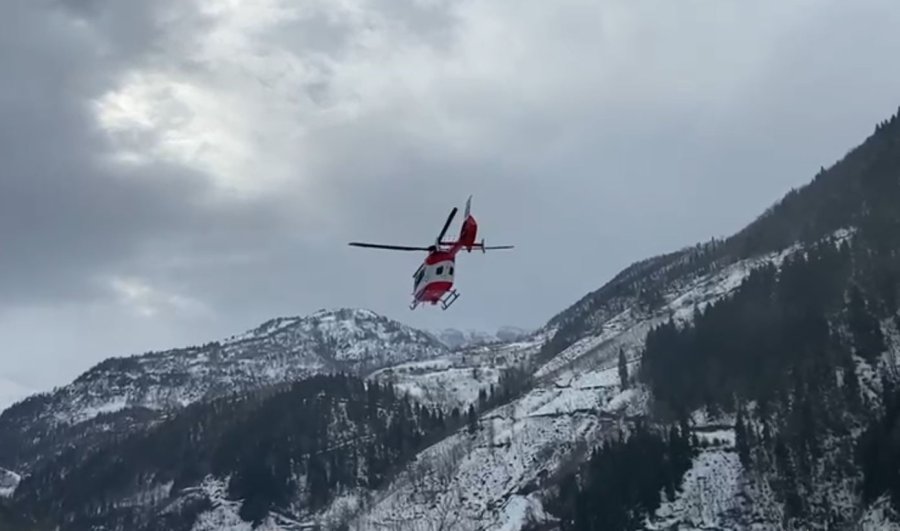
{"x": 8, "y": 482}
{"x": 628, "y": 328}
{"x": 717, "y": 492}
{"x": 455, "y": 379}
{"x": 483, "y": 480}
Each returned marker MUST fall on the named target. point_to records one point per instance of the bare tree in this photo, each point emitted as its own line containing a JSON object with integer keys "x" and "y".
{"x": 448, "y": 510}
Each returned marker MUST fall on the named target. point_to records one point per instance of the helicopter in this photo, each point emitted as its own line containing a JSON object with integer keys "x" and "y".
{"x": 433, "y": 280}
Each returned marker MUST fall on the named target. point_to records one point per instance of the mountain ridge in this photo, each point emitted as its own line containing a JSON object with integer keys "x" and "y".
{"x": 129, "y": 391}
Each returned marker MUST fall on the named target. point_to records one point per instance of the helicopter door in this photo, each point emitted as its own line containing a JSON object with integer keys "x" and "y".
{"x": 419, "y": 277}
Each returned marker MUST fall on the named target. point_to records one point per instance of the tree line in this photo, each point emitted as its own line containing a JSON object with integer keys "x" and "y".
{"x": 623, "y": 481}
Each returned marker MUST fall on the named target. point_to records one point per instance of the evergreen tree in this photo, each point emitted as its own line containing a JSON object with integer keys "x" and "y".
{"x": 867, "y": 335}
{"x": 472, "y": 419}
{"x": 622, "y": 481}
{"x": 623, "y": 369}
{"x": 741, "y": 436}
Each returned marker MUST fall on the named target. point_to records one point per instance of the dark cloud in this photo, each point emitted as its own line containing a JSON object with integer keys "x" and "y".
{"x": 68, "y": 213}
{"x": 590, "y": 134}
{"x": 63, "y": 214}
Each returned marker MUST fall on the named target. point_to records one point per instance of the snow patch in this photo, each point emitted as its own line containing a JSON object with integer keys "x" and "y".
{"x": 709, "y": 491}
{"x": 225, "y": 515}
{"x": 9, "y": 481}
{"x": 522, "y": 511}
{"x": 880, "y": 516}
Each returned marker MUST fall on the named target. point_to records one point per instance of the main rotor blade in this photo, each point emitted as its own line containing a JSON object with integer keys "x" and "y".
{"x": 479, "y": 246}
{"x": 391, "y": 247}
{"x": 447, "y": 224}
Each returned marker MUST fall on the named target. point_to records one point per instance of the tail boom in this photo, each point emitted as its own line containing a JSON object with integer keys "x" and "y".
{"x": 467, "y": 234}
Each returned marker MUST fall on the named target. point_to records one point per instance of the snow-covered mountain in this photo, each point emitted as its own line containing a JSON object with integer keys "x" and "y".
{"x": 120, "y": 393}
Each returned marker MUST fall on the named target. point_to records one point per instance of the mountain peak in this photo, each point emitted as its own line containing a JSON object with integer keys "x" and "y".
{"x": 280, "y": 350}
{"x": 348, "y": 313}
{"x": 279, "y": 324}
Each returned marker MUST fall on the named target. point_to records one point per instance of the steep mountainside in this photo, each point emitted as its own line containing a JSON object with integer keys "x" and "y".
{"x": 121, "y": 394}
{"x": 746, "y": 383}
{"x": 856, "y": 192}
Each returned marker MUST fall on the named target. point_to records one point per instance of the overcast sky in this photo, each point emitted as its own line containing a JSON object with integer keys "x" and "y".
{"x": 175, "y": 171}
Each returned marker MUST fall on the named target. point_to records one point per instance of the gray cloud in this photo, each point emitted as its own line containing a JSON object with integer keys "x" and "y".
{"x": 186, "y": 172}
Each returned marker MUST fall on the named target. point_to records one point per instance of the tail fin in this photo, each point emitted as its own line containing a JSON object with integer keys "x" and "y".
{"x": 469, "y": 227}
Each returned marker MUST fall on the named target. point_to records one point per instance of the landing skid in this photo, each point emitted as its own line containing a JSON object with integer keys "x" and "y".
{"x": 448, "y": 299}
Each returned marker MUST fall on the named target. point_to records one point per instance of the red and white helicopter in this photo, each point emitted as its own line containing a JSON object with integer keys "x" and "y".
{"x": 433, "y": 281}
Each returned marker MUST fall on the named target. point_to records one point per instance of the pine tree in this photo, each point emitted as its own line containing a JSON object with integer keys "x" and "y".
{"x": 623, "y": 369}
{"x": 741, "y": 442}
{"x": 472, "y": 419}
{"x": 867, "y": 335}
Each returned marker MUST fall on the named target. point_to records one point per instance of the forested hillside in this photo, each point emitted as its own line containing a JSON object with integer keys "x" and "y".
{"x": 858, "y": 191}
{"x": 802, "y": 355}
{"x": 322, "y": 436}
{"x": 126, "y": 394}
